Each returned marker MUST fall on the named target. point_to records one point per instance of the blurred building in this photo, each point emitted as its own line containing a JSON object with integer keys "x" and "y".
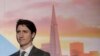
{"x": 76, "y": 49}
{"x": 54, "y": 46}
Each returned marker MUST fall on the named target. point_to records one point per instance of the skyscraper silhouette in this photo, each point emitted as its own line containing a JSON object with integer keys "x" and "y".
{"x": 55, "y": 49}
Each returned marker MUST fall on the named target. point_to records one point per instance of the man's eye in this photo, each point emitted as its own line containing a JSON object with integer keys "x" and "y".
{"x": 18, "y": 31}
{"x": 25, "y": 31}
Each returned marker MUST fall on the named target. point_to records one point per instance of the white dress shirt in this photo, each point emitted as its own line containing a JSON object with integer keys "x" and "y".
{"x": 27, "y": 50}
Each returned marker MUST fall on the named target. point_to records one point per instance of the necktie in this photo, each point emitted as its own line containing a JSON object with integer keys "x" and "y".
{"x": 23, "y": 53}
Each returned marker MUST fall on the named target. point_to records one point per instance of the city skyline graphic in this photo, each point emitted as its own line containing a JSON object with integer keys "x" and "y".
{"x": 64, "y": 27}
{"x": 76, "y": 48}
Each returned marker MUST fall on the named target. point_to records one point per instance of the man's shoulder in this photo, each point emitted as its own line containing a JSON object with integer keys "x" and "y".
{"x": 40, "y": 52}
{"x": 15, "y": 54}
{"x": 44, "y": 53}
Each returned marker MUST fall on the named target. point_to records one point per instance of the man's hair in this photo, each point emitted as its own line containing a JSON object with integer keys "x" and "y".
{"x": 29, "y": 24}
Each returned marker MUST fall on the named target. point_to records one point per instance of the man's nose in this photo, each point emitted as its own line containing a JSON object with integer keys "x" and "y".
{"x": 21, "y": 35}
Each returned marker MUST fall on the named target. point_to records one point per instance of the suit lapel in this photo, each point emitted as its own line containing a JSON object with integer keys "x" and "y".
{"x": 33, "y": 52}
{"x": 17, "y": 53}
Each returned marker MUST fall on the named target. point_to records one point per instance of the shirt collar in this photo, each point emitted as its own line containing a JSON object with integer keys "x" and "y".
{"x": 27, "y": 50}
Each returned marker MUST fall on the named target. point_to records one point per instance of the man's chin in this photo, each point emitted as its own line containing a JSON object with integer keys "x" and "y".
{"x": 22, "y": 44}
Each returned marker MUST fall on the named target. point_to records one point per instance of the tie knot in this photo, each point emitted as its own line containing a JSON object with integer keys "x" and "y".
{"x": 23, "y": 53}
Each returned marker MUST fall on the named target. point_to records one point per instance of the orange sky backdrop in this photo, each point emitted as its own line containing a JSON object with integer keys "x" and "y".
{"x": 75, "y": 18}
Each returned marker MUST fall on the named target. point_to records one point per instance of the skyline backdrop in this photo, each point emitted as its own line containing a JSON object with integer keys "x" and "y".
{"x": 78, "y": 20}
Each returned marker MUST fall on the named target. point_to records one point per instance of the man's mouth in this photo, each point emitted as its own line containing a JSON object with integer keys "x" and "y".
{"x": 21, "y": 39}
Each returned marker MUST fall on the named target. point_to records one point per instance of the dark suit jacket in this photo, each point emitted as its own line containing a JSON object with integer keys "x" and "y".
{"x": 34, "y": 52}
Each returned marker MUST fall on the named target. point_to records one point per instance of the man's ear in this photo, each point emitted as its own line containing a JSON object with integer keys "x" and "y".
{"x": 33, "y": 35}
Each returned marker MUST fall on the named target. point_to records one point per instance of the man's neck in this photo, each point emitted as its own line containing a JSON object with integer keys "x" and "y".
{"x": 26, "y": 46}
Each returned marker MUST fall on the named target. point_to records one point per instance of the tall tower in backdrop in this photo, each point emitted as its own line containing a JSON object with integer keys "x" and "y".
{"x": 55, "y": 49}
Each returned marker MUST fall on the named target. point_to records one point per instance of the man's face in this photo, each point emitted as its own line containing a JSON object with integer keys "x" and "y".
{"x": 23, "y": 35}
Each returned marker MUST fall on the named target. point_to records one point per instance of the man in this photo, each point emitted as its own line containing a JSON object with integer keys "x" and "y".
{"x": 25, "y": 33}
